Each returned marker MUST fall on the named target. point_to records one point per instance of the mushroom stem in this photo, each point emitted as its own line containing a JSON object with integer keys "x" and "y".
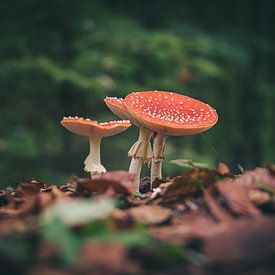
{"x": 93, "y": 161}
{"x": 158, "y": 150}
{"x": 135, "y": 168}
{"x": 141, "y": 151}
{"x": 142, "y": 148}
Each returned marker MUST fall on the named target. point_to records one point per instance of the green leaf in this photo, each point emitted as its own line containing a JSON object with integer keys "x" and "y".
{"x": 68, "y": 245}
{"x": 104, "y": 230}
{"x": 189, "y": 164}
{"x": 240, "y": 168}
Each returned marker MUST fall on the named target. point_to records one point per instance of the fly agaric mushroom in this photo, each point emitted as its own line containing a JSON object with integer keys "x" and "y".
{"x": 167, "y": 113}
{"x": 95, "y": 131}
{"x": 141, "y": 150}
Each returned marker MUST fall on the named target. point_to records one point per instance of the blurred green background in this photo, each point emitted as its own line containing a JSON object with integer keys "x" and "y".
{"x": 62, "y": 57}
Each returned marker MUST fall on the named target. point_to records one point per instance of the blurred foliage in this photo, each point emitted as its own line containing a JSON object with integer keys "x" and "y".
{"x": 103, "y": 227}
{"x": 20, "y": 250}
{"x": 61, "y": 58}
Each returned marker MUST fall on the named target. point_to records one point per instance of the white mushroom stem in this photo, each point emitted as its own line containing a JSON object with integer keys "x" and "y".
{"x": 142, "y": 148}
{"x": 135, "y": 168}
{"x": 158, "y": 150}
{"x": 93, "y": 162}
{"x": 141, "y": 151}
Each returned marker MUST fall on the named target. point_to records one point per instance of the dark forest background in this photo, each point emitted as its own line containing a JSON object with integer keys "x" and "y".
{"x": 62, "y": 57}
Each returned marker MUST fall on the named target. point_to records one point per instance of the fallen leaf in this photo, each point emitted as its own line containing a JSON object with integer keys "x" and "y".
{"x": 99, "y": 257}
{"x": 195, "y": 225}
{"x": 44, "y": 200}
{"x": 58, "y": 194}
{"x": 158, "y": 182}
{"x": 78, "y": 211}
{"x": 191, "y": 182}
{"x": 259, "y": 197}
{"x": 257, "y": 178}
{"x": 27, "y": 206}
{"x": 223, "y": 169}
{"x": 150, "y": 214}
{"x": 122, "y": 182}
{"x": 144, "y": 185}
{"x": 7, "y": 200}
{"x": 47, "y": 270}
{"x": 122, "y": 219}
{"x": 69, "y": 187}
{"x": 236, "y": 198}
{"x": 214, "y": 207}
{"x": 30, "y": 187}
{"x": 9, "y": 226}
{"x": 271, "y": 169}
{"x": 245, "y": 240}
{"x": 136, "y": 201}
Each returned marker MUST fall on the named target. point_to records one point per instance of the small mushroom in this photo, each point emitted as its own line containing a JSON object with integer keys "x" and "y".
{"x": 167, "y": 113}
{"x": 141, "y": 150}
{"x": 95, "y": 131}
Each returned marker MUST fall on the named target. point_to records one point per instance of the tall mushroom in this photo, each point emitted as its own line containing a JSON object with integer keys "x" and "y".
{"x": 141, "y": 150}
{"x": 167, "y": 113}
{"x": 95, "y": 131}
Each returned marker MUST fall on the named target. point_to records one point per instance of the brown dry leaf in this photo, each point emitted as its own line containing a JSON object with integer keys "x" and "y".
{"x": 259, "y": 197}
{"x": 68, "y": 187}
{"x": 44, "y": 200}
{"x": 187, "y": 217}
{"x": 236, "y": 197}
{"x": 257, "y": 178}
{"x": 121, "y": 181}
{"x": 136, "y": 201}
{"x": 214, "y": 207}
{"x": 223, "y": 169}
{"x": 98, "y": 257}
{"x": 26, "y": 206}
{"x": 158, "y": 182}
{"x": 47, "y": 270}
{"x": 150, "y": 214}
{"x": 30, "y": 187}
{"x": 122, "y": 219}
{"x": 245, "y": 240}
{"x": 7, "y": 200}
{"x": 144, "y": 185}
{"x": 195, "y": 225}
{"x": 271, "y": 169}
{"x": 8, "y": 226}
{"x": 60, "y": 195}
{"x": 191, "y": 182}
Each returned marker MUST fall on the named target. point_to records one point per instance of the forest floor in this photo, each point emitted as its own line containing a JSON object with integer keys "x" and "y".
{"x": 202, "y": 222}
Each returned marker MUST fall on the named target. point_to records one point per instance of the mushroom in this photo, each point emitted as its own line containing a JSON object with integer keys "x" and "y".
{"x": 167, "y": 113}
{"x": 141, "y": 150}
{"x": 95, "y": 131}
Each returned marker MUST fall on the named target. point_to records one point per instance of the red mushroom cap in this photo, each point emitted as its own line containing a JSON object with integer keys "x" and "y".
{"x": 87, "y": 127}
{"x": 116, "y": 105}
{"x": 170, "y": 113}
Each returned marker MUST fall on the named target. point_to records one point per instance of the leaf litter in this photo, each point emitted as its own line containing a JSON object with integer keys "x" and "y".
{"x": 204, "y": 221}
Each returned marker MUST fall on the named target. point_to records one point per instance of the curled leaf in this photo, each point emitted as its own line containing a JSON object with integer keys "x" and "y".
{"x": 191, "y": 182}
{"x": 120, "y": 181}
